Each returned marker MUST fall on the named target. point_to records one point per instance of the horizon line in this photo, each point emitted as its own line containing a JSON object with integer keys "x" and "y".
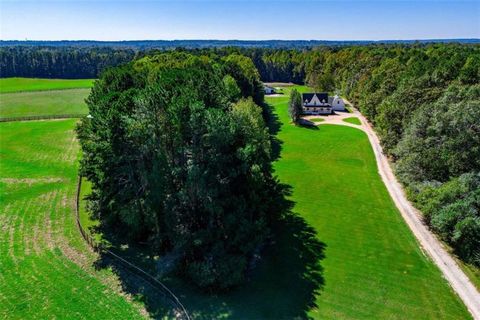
{"x": 246, "y": 40}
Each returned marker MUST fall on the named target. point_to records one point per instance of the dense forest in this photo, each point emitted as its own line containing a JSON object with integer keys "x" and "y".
{"x": 66, "y": 63}
{"x": 423, "y": 100}
{"x": 179, "y": 156}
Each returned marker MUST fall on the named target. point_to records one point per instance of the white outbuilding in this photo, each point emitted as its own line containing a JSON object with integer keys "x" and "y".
{"x": 338, "y": 104}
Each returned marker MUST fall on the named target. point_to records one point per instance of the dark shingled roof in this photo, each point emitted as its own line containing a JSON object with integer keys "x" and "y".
{"x": 321, "y": 96}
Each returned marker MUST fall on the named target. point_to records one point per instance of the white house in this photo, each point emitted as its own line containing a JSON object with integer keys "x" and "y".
{"x": 321, "y": 103}
{"x": 316, "y": 103}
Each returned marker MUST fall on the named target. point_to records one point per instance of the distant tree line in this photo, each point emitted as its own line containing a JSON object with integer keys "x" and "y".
{"x": 179, "y": 156}
{"x": 141, "y": 45}
{"x": 60, "y": 62}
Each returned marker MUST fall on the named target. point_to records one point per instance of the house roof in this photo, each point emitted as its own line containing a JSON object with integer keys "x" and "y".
{"x": 322, "y": 96}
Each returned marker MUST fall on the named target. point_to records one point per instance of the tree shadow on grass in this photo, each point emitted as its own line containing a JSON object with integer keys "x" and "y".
{"x": 274, "y": 126}
{"x": 284, "y": 285}
{"x": 307, "y": 124}
{"x": 158, "y": 303}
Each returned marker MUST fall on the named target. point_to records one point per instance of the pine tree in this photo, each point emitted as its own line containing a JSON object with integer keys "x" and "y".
{"x": 295, "y": 106}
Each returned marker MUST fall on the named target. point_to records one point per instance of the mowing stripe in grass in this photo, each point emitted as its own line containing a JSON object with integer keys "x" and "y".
{"x": 37, "y": 84}
{"x": 44, "y": 103}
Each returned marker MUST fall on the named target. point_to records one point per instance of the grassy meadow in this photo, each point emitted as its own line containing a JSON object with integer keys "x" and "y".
{"x": 35, "y": 84}
{"x": 22, "y": 97}
{"x": 42, "y": 103}
{"x": 353, "y": 120}
{"x": 45, "y": 267}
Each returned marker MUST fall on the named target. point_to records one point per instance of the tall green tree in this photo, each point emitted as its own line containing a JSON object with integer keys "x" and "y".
{"x": 232, "y": 90}
{"x": 295, "y": 106}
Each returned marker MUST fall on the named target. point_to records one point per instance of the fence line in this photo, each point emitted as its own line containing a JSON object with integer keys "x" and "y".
{"x": 42, "y": 117}
{"x": 101, "y": 249}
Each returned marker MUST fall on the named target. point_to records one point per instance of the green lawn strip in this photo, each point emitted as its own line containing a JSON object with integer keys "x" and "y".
{"x": 299, "y": 88}
{"x": 37, "y": 84}
{"x": 44, "y": 103}
{"x": 352, "y": 120}
{"x": 316, "y": 119}
{"x": 46, "y": 270}
{"x": 373, "y": 266}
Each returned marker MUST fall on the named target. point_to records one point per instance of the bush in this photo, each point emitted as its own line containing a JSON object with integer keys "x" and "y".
{"x": 453, "y": 211}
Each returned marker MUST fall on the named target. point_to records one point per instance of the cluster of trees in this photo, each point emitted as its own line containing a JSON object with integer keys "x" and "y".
{"x": 179, "y": 156}
{"x": 60, "y": 62}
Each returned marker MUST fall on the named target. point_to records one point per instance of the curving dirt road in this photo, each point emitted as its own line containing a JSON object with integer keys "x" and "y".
{"x": 428, "y": 241}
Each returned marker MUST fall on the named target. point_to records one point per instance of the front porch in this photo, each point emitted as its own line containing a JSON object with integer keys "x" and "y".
{"x": 317, "y": 110}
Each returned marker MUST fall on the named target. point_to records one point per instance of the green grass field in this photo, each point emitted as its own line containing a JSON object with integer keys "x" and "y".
{"x": 353, "y": 120}
{"x": 46, "y": 268}
{"x": 35, "y": 84}
{"x": 317, "y": 120}
{"x": 41, "y": 103}
{"x": 373, "y": 267}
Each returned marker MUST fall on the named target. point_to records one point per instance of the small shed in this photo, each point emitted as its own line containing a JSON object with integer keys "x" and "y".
{"x": 338, "y": 104}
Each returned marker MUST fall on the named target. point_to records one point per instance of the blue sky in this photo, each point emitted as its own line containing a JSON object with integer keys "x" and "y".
{"x": 203, "y": 19}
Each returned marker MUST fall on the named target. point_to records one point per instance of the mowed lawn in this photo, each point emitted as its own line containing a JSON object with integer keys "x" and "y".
{"x": 46, "y": 269}
{"x": 42, "y": 103}
{"x": 353, "y": 120}
{"x": 373, "y": 267}
{"x": 36, "y": 84}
